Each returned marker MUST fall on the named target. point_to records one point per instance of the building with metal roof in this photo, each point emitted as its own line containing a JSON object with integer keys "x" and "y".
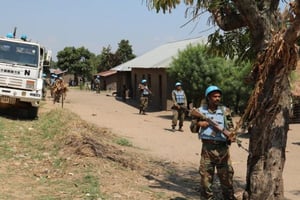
{"x": 152, "y": 66}
{"x": 159, "y": 57}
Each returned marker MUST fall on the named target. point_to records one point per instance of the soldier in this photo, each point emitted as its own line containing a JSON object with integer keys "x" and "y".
{"x": 179, "y": 106}
{"x": 59, "y": 89}
{"x": 215, "y": 146}
{"x": 145, "y": 93}
{"x": 97, "y": 84}
{"x": 45, "y": 85}
{"x": 52, "y": 84}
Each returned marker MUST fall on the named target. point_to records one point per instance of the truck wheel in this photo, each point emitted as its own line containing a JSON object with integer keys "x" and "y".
{"x": 32, "y": 112}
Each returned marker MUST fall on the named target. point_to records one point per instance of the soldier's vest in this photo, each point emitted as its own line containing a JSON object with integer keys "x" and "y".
{"x": 97, "y": 81}
{"x": 209, "y": 133}
{"x": 145, "y": 91}
{"x": 179, "y": 96}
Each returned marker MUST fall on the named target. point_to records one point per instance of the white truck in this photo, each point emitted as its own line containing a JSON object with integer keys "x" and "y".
{"x": 21, "y": 74}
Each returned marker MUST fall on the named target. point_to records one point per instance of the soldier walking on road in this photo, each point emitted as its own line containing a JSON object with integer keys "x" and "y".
{"x": 179, "y": 106}
{"x": 144, "y": 99}
{"x": 97, "y": 84}
{"x": 215, "y": 146}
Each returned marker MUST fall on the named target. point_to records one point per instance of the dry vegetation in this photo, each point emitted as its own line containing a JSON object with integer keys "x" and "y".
{"x": 60, "y": 156}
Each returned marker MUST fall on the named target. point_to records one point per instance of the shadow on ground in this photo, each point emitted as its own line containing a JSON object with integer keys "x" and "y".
{"x": 296, "y": 143}
{"x": 185, "y": 181}
{"x": 15, "y": 114}
{"x": 135, "y": 103}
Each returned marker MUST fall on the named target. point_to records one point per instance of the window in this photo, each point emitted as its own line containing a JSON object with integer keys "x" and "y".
{"x": 19, "y": 53}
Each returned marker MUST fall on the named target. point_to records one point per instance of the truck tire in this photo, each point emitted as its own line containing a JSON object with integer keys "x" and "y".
{"x": 32, "y": 112}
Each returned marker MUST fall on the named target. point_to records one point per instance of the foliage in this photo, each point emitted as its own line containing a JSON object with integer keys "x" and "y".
{"x": 197, "y": 70}
{"x": 124, "y": 52}
{"x": 272, "y": 36}
{"x": 81, "y": 62}
{"x": 75, "y": 60}
{"x": 233, "y": 44}
{"x": 107, "y": 59}
{"x": 236, "y": 88}
{"x": 234, "y": 36}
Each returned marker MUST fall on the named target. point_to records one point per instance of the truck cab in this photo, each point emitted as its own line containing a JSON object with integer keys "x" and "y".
{"x": 21, "y": 74}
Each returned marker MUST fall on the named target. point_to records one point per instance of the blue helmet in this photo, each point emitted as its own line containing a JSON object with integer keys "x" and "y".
{"x": 24, "y": 37}
{"x": 144, "y": 81}
{"x": 178, "y": 84}
{"x": 211, "y": 89}
{"x": 10, "y": 35}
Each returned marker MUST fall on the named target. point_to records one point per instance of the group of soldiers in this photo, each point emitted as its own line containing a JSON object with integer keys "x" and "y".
{"x": 215, "y": 155}
{"x": 57, "y": 87}
{"x": 213, "y": 128}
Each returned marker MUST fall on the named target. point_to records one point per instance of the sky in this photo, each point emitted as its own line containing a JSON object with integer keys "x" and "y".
{"x": 95, "y": 24}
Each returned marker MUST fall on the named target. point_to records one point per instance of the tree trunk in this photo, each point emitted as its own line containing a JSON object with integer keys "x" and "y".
{"x": 268, "y": 112}
{"x": 267, "y": 152}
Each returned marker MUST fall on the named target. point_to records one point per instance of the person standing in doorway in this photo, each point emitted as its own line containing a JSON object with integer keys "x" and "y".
{"x": 179, "y": 106}
{"x": 215, "y": 146}
{"x": 144, "y": 99}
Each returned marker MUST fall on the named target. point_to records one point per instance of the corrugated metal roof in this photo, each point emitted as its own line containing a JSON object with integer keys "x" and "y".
{"x": 107, "y": 73}
{"x": 160, "y": 57}
{"x": 57, "y": 71}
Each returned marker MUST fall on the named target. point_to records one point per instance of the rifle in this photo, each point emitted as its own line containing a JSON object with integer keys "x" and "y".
{"x": 195, "y": 113}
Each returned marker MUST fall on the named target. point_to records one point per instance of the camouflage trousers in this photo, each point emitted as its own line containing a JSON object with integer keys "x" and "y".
{"x": 97, "y": 88}
{"x": 143, "y": 103}
{"x": 216, "y": 156}
{"x": 178, "y": 114}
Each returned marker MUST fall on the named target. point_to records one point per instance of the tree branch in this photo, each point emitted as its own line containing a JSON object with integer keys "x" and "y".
{"x": 293, "y": 32}
{"x": 227, "y": 18}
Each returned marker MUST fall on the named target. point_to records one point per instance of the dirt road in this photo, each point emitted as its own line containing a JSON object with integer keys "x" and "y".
{"x": 152, "y": 134}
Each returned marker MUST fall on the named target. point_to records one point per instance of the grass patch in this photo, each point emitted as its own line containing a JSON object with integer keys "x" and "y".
{"x": 123, "y": 142}
{"x": 60, "y": 156}
{"x": 54, "y": 122}
{"x": 32, "y": 152}
{"x": 90, "y": 187}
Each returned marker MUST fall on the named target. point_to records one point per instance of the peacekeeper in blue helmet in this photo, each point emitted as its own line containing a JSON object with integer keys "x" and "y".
{"x": 145, "y": 93}
{"x": 215, "y": 147}
{"x": 179, "y": 106}
{"x": 97, "y": 84}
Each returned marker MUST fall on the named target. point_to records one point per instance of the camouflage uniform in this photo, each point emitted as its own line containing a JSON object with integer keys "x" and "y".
{"x": 143, "y": 104}
{"x": 179, "y": 108}
{"x": 144, "y": 99}
{"x": 215, "y": 154}
{"x": 59, "y": 88}
{"x": 97, "y": 84}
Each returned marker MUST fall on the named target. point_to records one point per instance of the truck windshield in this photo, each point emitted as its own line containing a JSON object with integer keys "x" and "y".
{"x": 19, "y": 53}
